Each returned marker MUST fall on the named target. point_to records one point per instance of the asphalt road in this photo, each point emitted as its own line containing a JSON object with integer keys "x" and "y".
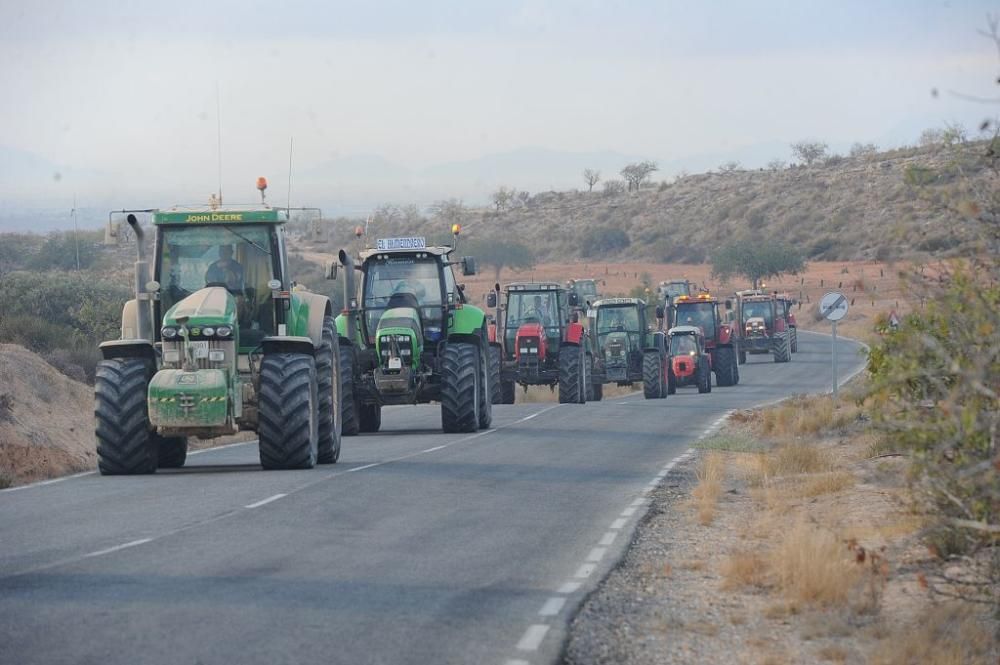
{"x": 418, "y": 547}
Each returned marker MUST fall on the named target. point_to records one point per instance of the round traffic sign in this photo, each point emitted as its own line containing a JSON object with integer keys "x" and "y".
{"x": 833, "y": 306}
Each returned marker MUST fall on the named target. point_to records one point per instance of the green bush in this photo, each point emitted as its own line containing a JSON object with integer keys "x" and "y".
{"x": 603, "y": 240}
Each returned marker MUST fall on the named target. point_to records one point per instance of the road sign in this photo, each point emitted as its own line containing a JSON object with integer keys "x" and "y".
{"x": 833, "y": 306}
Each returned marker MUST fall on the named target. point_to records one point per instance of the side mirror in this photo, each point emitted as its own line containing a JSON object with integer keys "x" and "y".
{"x": 331, "y": 270}
{"x": 468, "y": 266}
{"x": 659, "y": 311}
{"x": 491, "y": 299}
{"x": 573, "y": 299}
{"x": 729, "y": 304}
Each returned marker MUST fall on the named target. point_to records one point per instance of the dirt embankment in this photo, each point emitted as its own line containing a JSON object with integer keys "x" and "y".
{"x": 46, "y": 419}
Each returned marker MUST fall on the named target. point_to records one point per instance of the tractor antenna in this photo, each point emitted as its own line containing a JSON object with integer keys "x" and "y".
{"x": 218, "y": 135}
{"x": 290, "y": 140}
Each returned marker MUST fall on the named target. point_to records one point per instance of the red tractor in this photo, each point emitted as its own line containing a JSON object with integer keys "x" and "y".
{"x": 690, "y": 363}
{"x": 542, "y": 341}
{"x": 765, "y": 330}
{"x": 785, "y": 302}
{"x": 722, "y": 340}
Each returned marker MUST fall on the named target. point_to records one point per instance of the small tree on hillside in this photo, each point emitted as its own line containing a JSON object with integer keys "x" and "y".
{"x": 776, "y": 165}
{"x": 863, "y": 150}
{"x": 500, "y": 254}
{"x": 637, "y": 173}
{"x": 810, "y": 152}
{"x": 503, "y": 198}
{"x": 613, "y": 187}
{"x": 756, "y": 260}
{"x": 450, "y": 211}
{"x": 591, "y": 177}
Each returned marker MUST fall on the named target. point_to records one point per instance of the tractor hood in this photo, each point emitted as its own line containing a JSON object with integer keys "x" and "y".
{"x": 395, "y": 324}
{"x": 616, "y": 343}
{"x": 212, "y": 305}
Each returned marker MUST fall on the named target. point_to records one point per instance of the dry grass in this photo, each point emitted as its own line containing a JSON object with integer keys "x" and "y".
{"x": 744, "y": 569}
{"x": 812, "y": 566}
{"x": 825, "y": 483}
{"x": 805, "y": 416}
{"x": 705, "y": 495}
{"x": 833, "y": 653}
{"x": 949, "y": 634}
{"x": 784, "y": 460}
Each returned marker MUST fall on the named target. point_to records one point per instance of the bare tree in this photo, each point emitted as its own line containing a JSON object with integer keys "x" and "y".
{"x": 637, "y": 173}
{"x": 810, "y": 152}
{"x": 613, "y": 187}
{"x": 451, "y": 211}
{"x": 863, "y": 150}
{"x": 730, "y": 167}
{"x": 591, "y": 177}
{"x": 502, "y": 198}
{"x": 776, "y": 165}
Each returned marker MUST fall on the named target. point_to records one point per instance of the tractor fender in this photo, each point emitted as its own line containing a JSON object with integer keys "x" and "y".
{"x": 779, "y": 325}
{"x": 353, "y": 337}
{"x": 658, "y": 341}
{"x": 466, "y": 320}
{"x": 127, "y": 348}
{"x": 725, "y": 334}
{"x": 288, "y": 344}
{"x": 318, "y": 308}
{"x": 574, "y": 333}
{"x": 130, "y": 320}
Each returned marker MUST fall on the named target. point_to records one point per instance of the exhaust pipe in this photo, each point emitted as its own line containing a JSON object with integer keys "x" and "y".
{"x": 144, "y": 305}
{"x": 350, "y": 294}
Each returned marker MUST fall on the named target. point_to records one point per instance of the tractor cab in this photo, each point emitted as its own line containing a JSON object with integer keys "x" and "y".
{"x": 761, "y": 321}
{"x": 669, "y": 290}
{"x": 620, "y": 328}
{"x": 585, "y": 290}
{"x": 536, "y": 313}
{"x": 704, "y": 312}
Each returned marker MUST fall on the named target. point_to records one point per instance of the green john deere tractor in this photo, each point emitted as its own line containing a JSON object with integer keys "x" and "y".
{"x": 630, "y": 346}
{"x": 411, "y": 338}
{"x": 216, "y": 342}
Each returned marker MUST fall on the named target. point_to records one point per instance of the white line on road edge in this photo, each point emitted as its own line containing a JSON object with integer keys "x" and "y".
{"x": 618, "y": 523}
{"x": 596, "y": 554}
{"x": 586, "y": 570}
{"x": 430, "y": 450}
{"x": 116, "y": 548}
{"x": 629, "y": 512}
{"x": 266, "y": 501}
{"x": 517, "y": 661}
{"x": 607, "y": 538}
{"x": 639, "y": 501}
{"x": 532, "y": 637}
{"x": 552, "y": 606}
{"x": 569, "y": 587}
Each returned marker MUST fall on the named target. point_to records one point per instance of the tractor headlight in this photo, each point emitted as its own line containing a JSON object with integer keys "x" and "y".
{"x": 224, "y": 331}
{"x": 385, "y": 339}
{"x": 207, "y": 331}
{"x": 168, "y": 332}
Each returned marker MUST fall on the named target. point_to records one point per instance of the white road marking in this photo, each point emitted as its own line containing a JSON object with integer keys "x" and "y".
{"x": 629, "y": 512}
{"x": 586, "y": 570}
{"x": 607, "y": 538}
{"x": 618, "y": 523}
{"x": 264, "y": 502}
{"x": 516, "y": 661}
{"x": 530, "y": 417}
{"x": 596, "y": 554}
{"x": 363, "y": 467}
{"x": 51, "y": 481}
{"x": 552, "y": 606}
{"x": 228, "y": 445}
{"x": 532, "y": 637}
{"x": 569, "y": 587}
{"x": 430, "y": 450}
{"x": 639, "y": 501}
{"x": 116, "y": 548}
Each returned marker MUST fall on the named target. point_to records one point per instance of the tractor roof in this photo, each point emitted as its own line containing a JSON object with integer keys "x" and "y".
{"x": 365, "y": 254}
{"x": 613, "y": 302}
{"x": 230, "y": 214}
{"x": 684, "y": 330}
{"x": 534, "y": 286}
{"x": 701, "y": 297}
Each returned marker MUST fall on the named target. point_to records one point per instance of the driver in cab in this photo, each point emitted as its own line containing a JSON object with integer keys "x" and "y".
{"x": 226, "y": 270}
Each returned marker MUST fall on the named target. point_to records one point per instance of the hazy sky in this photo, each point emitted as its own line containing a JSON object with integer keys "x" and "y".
{"x": 122, "y": 95}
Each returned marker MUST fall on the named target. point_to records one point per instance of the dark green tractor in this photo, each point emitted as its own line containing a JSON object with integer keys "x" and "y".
{"x": 630, "y": 347}
{"x": 410, "y": 337}
{"x": 217, "y": 341}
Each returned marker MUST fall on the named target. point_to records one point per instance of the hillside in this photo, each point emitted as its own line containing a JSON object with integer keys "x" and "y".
{"x": 889, "y": 205}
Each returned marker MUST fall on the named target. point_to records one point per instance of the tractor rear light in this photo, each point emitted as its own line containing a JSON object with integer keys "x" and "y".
{"x": 172, "y": 356}
{"x": 168, "y": 332}
{"x": 216, "y": 355}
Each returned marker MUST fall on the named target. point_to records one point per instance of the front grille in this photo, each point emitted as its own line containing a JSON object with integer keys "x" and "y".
{"x": 228, "y": 346}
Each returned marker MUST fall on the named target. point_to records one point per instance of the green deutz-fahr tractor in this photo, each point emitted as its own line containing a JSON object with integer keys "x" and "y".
{"x": 629, "y": 347}
{"x": 412, "y": 338}
{"x": 216, "y": 342}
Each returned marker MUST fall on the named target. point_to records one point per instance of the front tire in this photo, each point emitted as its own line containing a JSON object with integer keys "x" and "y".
{"x": 704, "y": 376}
{"x": 486, "y": 389}
{"x": 652, "y": 377}
{"x": 570, "y": 381}
{"x": 782, "y": 353}
{"x": 328, "y": 392}
{"x": 724, "y": 363}
{"x": 460, "y": 386}
{"x": 598, "y": 391}
{"x": 508, "y": 391}
{"x": 496, "y": 386}
{"x": 349, "y": 406}
{"x": 370, "y": 417}
{"x": 795, "y": 340}
{"x": 171, "y": 451}
{"x": 289, "y": 419}
{"x": 126, "y": 444}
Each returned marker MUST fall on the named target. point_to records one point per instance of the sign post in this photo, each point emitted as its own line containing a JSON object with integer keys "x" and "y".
{"x": 833, "y": 307}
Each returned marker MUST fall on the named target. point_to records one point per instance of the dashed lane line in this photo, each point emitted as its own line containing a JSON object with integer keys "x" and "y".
{"x": 552, "y": 606}
{"x": 264, "y": 502}
{"x": 533, "y": 637}
{"x": 584, "y": 571}
{"x": 596, "y": 554}
{"x": 569, "y": 587}
{"x": 117, "y": 548}
{"x": 607, "y": 538}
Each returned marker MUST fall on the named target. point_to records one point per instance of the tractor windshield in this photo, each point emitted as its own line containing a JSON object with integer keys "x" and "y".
{"x": 683, "y": 345}
{"x": 623, "y": 318}
{"x": 404, "y": 281}
{"x": 540, "y": 307}
{"x": 237, "y": 257}
{"x": 756, "y": 309}
{"x": 673, "y": 289}
{"x": 698, "y": 314}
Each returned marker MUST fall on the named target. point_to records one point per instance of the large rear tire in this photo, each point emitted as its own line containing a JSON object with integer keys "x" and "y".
{"x": 496, "y": 386}
{"x": 795, "y": 340}
{"x": 671, "y": 382}
{"x": 781, "y": 350}
{"x": 370, "y": 417}
{"x": 742, "y": 355}
{"x": 508, "y": 390}
{"x": 171, "y": 451}
{"x": 349, "y": 406}
{"x": 460, "y": 386}
{"x": 328, "y": 392}
{"x": 570, "y": 381}
{"x": 652, "y": 375}
{"x": 486, "y": 385}
{"x": 126, "y": 444}
{"x": 724, "y": 363}
{"x": 289, "y": 413}
{"x": 704, "y": 376}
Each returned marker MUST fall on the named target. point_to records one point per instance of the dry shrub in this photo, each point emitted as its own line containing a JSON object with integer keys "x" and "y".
{"x": 706, "y": 494}
{"x": 744, "y": 569}
{"x": 811, "y": 565}
{"x": 785, "y": 460}
{"x": 803, "y": 416}
{"x": 825, "y": 483}
{"x": 951, "y": 634}
{"x": 833, "y": 652}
